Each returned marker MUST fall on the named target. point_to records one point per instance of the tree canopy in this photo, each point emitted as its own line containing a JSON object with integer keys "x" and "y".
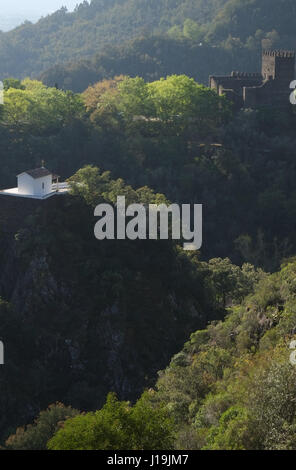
{"x": 33, "y": 105}
{"x": 118, "y": 425}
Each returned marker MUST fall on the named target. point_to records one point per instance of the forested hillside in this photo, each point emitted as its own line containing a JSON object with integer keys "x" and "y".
{"x": 81, "y": 318}
{"x": 232, "y": 386}
{"x": 240, "y": 26}
{"x": 242, "y": 166}
{"x": 63, "y": 36}
{"x": 187, "y": 47}
{"x": 152, "y": 58}
{"x": 122, "y": 109}
{"x": 250, "y": 20}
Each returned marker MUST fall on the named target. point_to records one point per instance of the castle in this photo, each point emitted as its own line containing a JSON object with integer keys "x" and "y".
{"x": 271, "y": 87}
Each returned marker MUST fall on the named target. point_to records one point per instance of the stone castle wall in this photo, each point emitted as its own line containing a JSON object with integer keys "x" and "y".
{"x": 271, "y": 87}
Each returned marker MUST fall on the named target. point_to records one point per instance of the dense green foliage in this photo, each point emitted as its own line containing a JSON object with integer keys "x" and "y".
{"x": 30, "y": 49}
{"x": 106, "y": 315}
{"x": 35, "y": 436}
{"x": 251, "y": 21}
{"x": 231, "y": 164}
{"x": 232, "y": 386}
{"x": 238, "y": 27}
{"x": 39, "y": 123}
{"x": 241, "y": 167}
{"x": 118, "y": 426}
{"x": 39, "y": 109}
{"x": 153, "y": 57}
{"x": 81, "y": 318}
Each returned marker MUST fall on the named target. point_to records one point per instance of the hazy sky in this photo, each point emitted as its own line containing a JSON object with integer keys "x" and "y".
{"x": 14, "y": 12}
{"x": 14, "y": 7}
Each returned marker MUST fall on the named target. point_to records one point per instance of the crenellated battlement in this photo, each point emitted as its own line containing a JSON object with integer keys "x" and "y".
{"x": 246, "y": 75}
{"x": 279, "y": 53}
{"x": 278, "y": 65}
{"x": 271, "y": 87}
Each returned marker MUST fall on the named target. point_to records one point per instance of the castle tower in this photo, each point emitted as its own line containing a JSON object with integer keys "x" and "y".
{"x": 278, "y": 65}
{"x": 270, "y": 88}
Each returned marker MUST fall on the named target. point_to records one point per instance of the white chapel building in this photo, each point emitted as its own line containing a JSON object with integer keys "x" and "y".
{"x": 36, "y": 182}
{"x": 39, "y": 183}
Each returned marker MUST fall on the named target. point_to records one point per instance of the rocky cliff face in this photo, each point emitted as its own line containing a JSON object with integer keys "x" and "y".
{"x": 88, "y": 317}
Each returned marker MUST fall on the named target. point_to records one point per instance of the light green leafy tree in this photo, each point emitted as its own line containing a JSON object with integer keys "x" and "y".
{"x": 118, "y": 425}
{"x": 40, "y": 109}
{"x": 192, "y": 30}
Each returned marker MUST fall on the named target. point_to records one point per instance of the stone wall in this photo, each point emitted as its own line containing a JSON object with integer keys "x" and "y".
{"x": 269, "y": 88}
